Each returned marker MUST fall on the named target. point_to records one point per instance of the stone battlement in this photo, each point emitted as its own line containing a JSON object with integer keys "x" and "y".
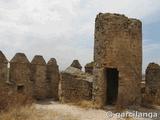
{"x": 35, "y": 78}
{"x": 41, "y": 80}
{"x": 113, "y": 78}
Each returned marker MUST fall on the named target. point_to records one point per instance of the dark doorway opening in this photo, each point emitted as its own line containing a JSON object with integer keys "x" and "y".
{"x": 20, "y": 88}
{"x": 112, "y": 85}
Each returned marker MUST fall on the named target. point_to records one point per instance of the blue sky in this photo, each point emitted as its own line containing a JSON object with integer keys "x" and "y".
{"x": 64, "y": 29}
{"x": 151, "y": 43}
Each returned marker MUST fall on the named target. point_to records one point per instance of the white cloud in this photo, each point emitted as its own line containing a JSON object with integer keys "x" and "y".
{"x": 60, "y": 28}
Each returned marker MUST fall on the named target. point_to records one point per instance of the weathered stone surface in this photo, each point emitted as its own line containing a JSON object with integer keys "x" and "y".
{"x": 3, "y": 68}
{"x": 76, "y": 64}
{"x": 118, "y": 44}
{"x": 38, "y": 76}
{"x": 152, "y": 92}
{"x": 53, "y": 77}
{"x": 75, "y": 85}
{"x": 89, "y": 67}
{"x": 20, "y": 73}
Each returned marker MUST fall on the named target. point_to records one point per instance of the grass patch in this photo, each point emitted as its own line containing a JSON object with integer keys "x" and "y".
{"x": 17, "y": 106}
{"x": 86, "y": 104}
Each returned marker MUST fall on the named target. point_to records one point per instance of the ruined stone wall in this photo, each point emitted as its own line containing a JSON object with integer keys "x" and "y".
{"x": 75, "y": 85}
{"x": 38, "y": 76}
{"x": 36, "y": 79}
{"x": 74, "y": 89}
{"x": 118, "y": 44}
{"x": 89, "y": 68}
{"x": 3, "y": 69}
{"x": 76, "y": 64}
{"x": 152, "y": 86}
{"x": 20, "y": 73}
{"x": 53, "y": 77}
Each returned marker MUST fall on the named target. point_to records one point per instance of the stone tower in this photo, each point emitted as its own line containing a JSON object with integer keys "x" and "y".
{"x": 53, "y": 78}
{"x": 3, "y": 68}
{"x": 152, "y": 84}
{"x": 38, "y": 76}
{"x": 118, "y": 60}
{"x": 20, "y": 72}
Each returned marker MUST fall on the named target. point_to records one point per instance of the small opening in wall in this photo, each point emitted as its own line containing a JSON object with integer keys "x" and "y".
{"x": 111, "y": 75}
{"x": 20, "y": 88}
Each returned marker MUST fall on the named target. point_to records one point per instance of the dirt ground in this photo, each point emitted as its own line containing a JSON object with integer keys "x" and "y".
{"x": 86, "y": 114}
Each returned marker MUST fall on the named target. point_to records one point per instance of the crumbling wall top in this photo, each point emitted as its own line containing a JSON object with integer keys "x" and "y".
{"x": 20, "y": 58}
{"x": 153, "y": 66}
{"x": 91, "y": 64}
{"x": 38, "y": 60}
{"x": 52, "y": 61}
{"x": 3, "y": 58}
{"x": 76, "y": 64}
{"x": 78, "y": 74}
{"x": 120, "y": 19}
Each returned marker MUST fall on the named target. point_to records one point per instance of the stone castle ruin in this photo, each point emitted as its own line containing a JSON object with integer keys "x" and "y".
{"x": 76, "y": 85}
{"x": 19, "y": 72}
{"x": 35, "y": 79}
{"x": 152, "y": 87}
{"x": 89, "y": 68}
{"x": 118, "y": 60}
{"x": 53, "y": 79}
{"x": 113, "y": 78}
{"x": 76, "y": 64}
{"x": 39, "y": 77}
{"x": 3, "y": 68}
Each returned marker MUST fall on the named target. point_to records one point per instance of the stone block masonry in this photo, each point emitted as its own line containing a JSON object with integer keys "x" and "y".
{"x": 76, "y": 64}
{"x": 113, "y": 78}
{"x": 36, "y": 79}
{"x": 118, "y": 60}
{"x": 38, "y": 76}
{"x": 20, "y": 73}
{"x": 89, "y": 68}
{"x": 152, "y": 86}
{"x": 74, "y": 89}
{"x": 75, "y": 85}
{"x": 53, "y": 77}
{"x": 3, "y": 68}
